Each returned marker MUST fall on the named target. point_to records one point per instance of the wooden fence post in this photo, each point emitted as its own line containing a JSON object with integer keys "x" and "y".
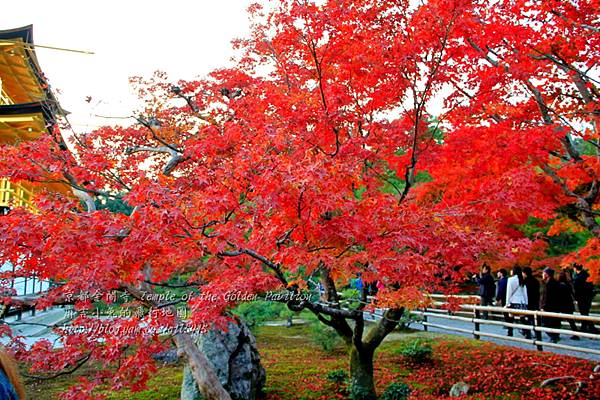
{"x": 425, "y": 319}
{"x": 477, "y": 315}
{"x": 537, "y": 321}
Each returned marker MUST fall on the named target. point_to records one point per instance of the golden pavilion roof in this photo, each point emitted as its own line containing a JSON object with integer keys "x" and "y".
{"x": 28, "y": 109}
{"x": 22, "y": 77}
{"x": 27, "y": 106}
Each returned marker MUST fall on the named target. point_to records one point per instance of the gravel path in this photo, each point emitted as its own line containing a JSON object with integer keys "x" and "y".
{"x": 583, "y": 343}
{"x": 33, "y": 333}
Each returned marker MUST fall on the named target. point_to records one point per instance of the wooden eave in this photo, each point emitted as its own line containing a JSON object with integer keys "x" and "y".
{"x": 22, "y": 77}
{"x": 20, "y": 122}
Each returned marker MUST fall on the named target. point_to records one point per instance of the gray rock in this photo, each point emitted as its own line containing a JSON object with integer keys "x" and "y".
{"x": 597, "y": 369}
{"x": 555, "y": 380}
{"x": 168, "y": 356}
{"x": 235, "y": 358}
{"x": 459, "y": 389}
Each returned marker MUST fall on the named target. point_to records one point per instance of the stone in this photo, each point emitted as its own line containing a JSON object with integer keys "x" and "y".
{"x": 236, "y": 361}
{"x": 555, "y": 380}
{"x": 597, "y": 369}
{"x": 459, "y": 389}
{"x": 167, "y": 357}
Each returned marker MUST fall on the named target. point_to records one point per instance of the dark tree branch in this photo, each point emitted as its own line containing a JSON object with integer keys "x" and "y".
{"x": 285, "y": 238}
{"x": 271, "y": 265}
{"x": 330, "y": 293}
{"x": 151, "y": 124}
{"x": 172, "y": 286}
{"x": 585, "y": 26}
{"x": 318, "y": 66}
{"x": 474, "y": 45}
{"x": 552, "y": 174}
{"x": 544, "y": 110}
{"x": 77, "y": 365}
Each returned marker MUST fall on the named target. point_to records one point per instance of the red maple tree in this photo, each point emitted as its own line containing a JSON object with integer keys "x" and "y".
{"x": 403, "y": 144}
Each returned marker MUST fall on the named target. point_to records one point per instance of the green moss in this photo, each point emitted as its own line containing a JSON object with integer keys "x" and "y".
{"x": 166, "y": 386}
{"x": 298, "y": 368}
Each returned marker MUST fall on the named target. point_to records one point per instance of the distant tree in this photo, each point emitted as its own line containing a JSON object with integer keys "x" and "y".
{"x": 113, "y": 204}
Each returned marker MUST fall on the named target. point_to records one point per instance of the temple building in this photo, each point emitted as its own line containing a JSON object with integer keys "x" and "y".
{"x": 28, "y": 109}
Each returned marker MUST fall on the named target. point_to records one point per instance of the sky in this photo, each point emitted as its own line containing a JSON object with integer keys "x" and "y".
{"x": 129, "y": 38}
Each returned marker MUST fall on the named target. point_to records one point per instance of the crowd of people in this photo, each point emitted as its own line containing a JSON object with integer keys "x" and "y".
{"x": 558, "y": 292}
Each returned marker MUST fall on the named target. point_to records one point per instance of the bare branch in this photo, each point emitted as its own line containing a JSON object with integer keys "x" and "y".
{"x": 85, "y": 198}
{"x": 176, "y": 156}
{"x": 152, "y": 124}
{"x": 544, "y": 110}
{"x": 160, "y": 149}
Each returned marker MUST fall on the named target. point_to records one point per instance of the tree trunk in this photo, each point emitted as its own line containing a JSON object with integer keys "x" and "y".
{"x": 208, "y": 383}
{"x": 362, "y": 385}
{"x": 202, "y": 370}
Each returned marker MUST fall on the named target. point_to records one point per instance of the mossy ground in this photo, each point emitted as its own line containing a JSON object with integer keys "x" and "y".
{"x": 164, "y": 386}
{"x": 297, "y": 368}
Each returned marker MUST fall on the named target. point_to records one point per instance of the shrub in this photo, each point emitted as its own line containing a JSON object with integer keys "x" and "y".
{"x": 350, "y": 298}
{"x": 396, "y": 391}
{"x": 407, "y": 319}
{"x": 360, "y": 394}
{"x": 339, "y": 376}
{"x": 256, "y": 313}
{"x": 416, "y": 352}
{"x": 324, "y": 336}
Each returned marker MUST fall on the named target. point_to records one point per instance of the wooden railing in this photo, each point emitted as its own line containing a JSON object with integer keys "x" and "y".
{"x": 472, "y": 314}
{"x": 475, "y": 298}
{"x": 15, "y": 195}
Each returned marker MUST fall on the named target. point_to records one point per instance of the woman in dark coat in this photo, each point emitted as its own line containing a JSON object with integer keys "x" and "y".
{"x": 533, "y": 293}
{"x": 584, "y": 294}
{"x": 550, "y": 301}
{"x": 567, "y": 298}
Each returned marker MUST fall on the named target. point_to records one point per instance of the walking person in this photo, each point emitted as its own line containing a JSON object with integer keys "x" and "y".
{"x": 567, "y": 298}
{"x": 487, "y": 287}
{"x": 584, "y": 294}
{"x": 501, "y": 295}
{"x": 501, "y": 288}
{"x": 550, "y": 302}
{"x": 533, "y": 293}
{"x": 516, "y": 297}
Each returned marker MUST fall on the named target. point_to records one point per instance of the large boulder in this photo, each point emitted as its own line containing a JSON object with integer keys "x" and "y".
{"x": 236, "y": 361}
